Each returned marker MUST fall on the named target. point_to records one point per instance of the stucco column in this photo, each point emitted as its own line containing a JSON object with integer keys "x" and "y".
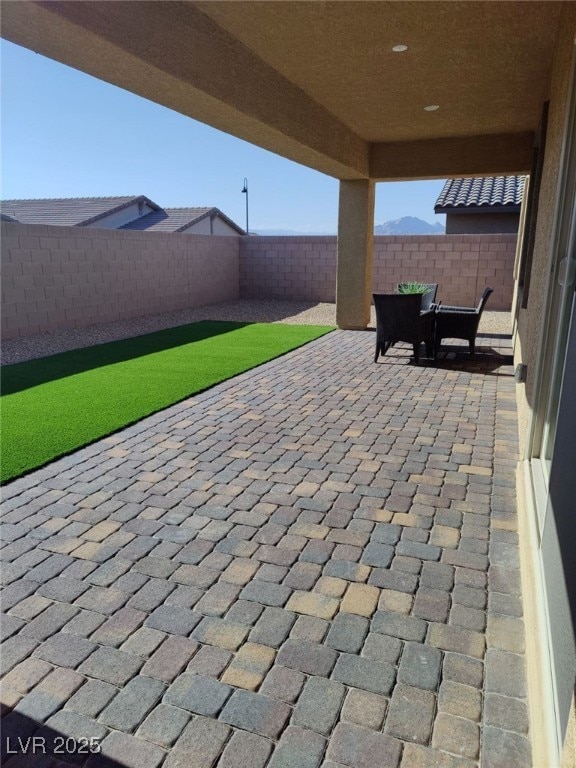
{"x": 355, "y": 246}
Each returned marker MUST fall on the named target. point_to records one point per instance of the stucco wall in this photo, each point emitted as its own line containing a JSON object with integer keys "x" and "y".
{"x": 530, "y": 320}
{"x": 70, "y": 277}
{"x": 304, "y": 268}
{"x": 121, "y": 217}
{"x": 481, "y": 223}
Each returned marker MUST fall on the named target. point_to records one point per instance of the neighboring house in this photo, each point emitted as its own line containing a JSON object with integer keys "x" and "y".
{"x": 192, "y": 221}
{"x": 135, "y": 212}
{"x": 482, "y": 205}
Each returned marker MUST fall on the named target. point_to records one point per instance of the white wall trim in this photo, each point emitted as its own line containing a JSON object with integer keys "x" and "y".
{"x": 544, "y": 731}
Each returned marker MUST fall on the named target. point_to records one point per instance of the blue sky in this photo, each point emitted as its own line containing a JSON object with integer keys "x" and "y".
{"x": 66, "y": 134}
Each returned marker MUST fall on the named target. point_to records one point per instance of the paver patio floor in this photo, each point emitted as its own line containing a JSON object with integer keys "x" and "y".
{"x": 313, "y": 564}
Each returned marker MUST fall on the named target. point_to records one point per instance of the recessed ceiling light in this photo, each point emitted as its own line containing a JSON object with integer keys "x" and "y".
{"x": 399, "y": 48}
{"x": 432, "y": 107}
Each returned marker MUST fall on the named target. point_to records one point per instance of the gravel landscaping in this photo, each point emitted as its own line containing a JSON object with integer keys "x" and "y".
{"x": 242, "y": 310}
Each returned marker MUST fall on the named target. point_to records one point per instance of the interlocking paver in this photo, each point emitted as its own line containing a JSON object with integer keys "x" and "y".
{"x": 307, "y": 657}
{"x": 411, "y": 714}
{"x": 163, "y": 725}
{"x": 283, "y": 683}
{"x": 355, "y": 746}
{"x": 26, "y": 675}
{"x": 199, "y": 744}
{"x": 456, "y": 735}
{"x": 463, "y": 669}
{"x": 49, "y": 621}
{"x": 64, "y": 650}
{"x": 198, "y": 694}
{"x": 249, "y": 666}
{"x": 364, "y": 708}
{"x": 221, "y": 633}
{"x": 398, "y": 625}
{"x": 281, "y": 547}
{"x": 111, "y": 665}
{"x": 420, "y": 666}
{"x": 121, "y": 749}
{"x": 361, "y": 599}
{"x": 119, "y": 627}
{"x": 173, "y": 619}
{"x": 382, "y": 648}
{"x": 313, "y": 604}
{"x": 143, "y": 642}
{"x": 275, "y": 595}
{"x": 15, "y": 650}
{"x": 92, "y": 697}
{"x": 246, "y": 750}
{"x": 319, "y": 705}
{"x": 273, "y": 627}
{"x": 49, "y": 695}
{"x": 364, "y": 673}
{"x": 505, "y": 712}
{"x": 170, "y": 658}
{"x": 132, "y": 704}
{"x": 298, "y": 748}
{"x": 210, "y": 661}
{"x": 347, "y": 632}
{"x": 256, "y": 713}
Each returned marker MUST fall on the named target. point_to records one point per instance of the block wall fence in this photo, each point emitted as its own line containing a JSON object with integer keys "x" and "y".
{"x": 304, "y": 268}
{"x": 70, "y": 277}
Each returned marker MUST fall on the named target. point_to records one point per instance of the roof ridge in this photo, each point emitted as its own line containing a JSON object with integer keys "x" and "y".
{"x": 45, "y": 199}
{"x": 187, "y": 207}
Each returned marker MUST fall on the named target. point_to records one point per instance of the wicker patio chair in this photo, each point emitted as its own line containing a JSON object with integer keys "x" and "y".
{"x": 459, "y": 322}
{"x": 399, "y": 318}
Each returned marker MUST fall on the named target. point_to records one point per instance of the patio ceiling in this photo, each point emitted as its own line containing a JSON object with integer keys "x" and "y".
{"x": 318, "y": 82}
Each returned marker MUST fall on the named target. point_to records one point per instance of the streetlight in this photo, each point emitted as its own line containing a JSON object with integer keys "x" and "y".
{"x": 245, "y": 192}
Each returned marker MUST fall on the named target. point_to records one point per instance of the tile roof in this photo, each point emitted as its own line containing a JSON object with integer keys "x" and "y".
{"x": 176, "y": 219}
{"x": 488, "y": 192}
{"x": 67, "y": 211}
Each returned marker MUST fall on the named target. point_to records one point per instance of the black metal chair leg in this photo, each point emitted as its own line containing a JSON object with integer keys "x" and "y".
{"x": 416, "y": 349}
{"x": 472, "y": 345}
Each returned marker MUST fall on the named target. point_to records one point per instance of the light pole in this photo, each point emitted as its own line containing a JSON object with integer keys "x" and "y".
{"x": 245, "y": 192}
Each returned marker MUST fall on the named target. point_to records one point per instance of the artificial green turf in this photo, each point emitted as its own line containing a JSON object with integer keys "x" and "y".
{"x": 57, "y": 404}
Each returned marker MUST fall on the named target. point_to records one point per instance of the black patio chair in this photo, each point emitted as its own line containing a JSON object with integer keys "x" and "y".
{"x": 459, "y": 323}
{"x": 399, "y": 318}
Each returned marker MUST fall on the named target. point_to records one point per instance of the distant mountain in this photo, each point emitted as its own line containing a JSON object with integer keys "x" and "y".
{"x": 289, "y": 233}
{"x": 408, "y": 225}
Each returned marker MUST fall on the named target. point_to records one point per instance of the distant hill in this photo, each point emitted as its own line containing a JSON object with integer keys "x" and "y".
{"x": 288, "y": 233}
{"x": 408, "y": 225}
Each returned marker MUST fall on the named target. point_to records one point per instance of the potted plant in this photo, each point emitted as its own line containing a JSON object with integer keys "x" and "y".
{"x": 426, "y": 290}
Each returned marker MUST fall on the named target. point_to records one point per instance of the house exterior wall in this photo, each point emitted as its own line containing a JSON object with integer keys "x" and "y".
{"x": 70, "y": 277}
{"x": 482, "y": 223}
{"x": 546, "y": 573}
{"x": 118, "y": 219}
{"x": 304, "y": 268}
{"x": 201, "y": 227}
{"x": 221, "y": 227}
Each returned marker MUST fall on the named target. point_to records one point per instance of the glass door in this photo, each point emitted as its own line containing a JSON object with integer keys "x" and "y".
{"x": 562, "y": 284}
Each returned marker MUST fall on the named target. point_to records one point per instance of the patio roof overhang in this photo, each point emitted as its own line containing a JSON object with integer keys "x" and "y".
{"x": 318, "y": 82}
